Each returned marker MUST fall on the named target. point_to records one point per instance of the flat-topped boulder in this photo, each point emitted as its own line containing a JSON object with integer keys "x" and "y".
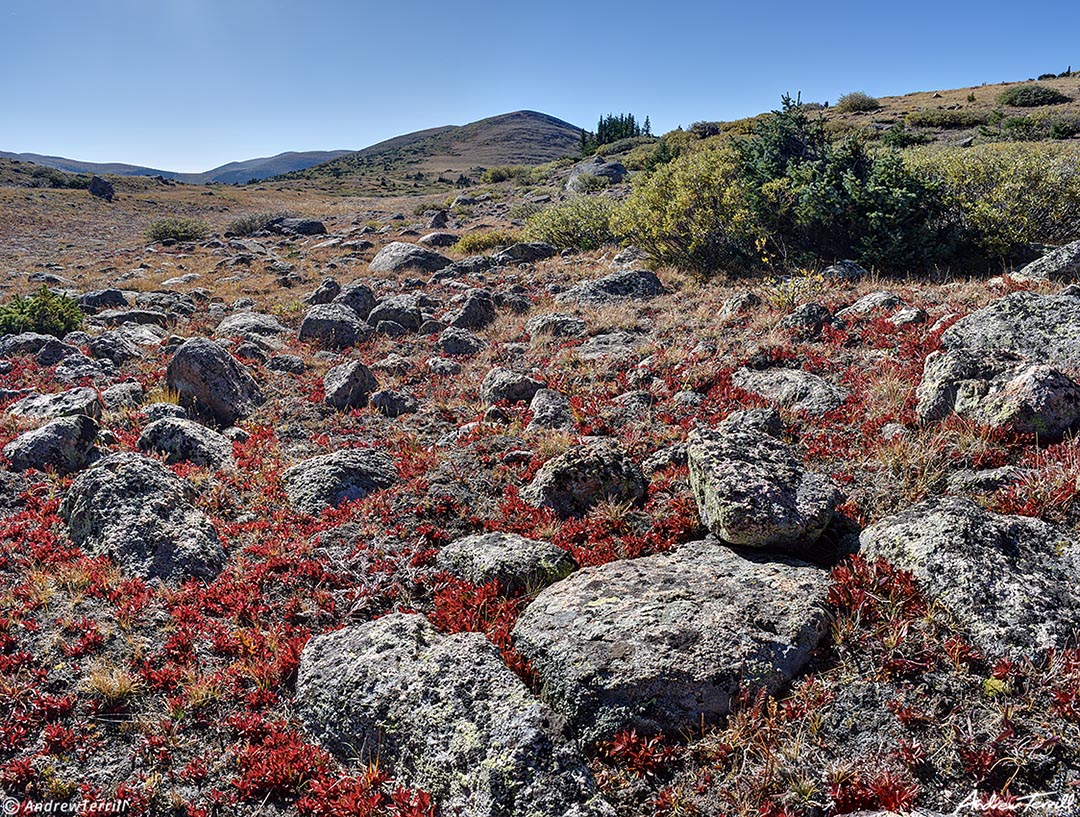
{"x": 400, "y": 255}
{"x": 323, "y": 482}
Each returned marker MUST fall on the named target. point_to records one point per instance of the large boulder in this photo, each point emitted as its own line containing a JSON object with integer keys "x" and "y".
{"x": 454, "y": 341}
{"x": 182, "y": 440}
{"x": 622, "y": 285}
{"x": 349, "y": 385}
{"x": 572, "y": 483}
{"x": 526, "y": 252}
{"x": 323, "y": 482}
{"x": 551, "y": 410}
{"x": 446, "y": 715}
{"x": 1011, "y": 580}
{"x": 358, "y": 297}
{"x": 211, "y": 382}
{"x": 791, "y": 388}
{"x": 1043, "y": 328}
{"x": 138, "y": 512}
{"x": 584, "y": 175}
{"x": 999, "y": 389}
{"x": 751, "y": 490}
{"x": 556, "y": 325}
{"x": 65, "y": 444}
{"x": 503, "y": 384}
{"x": 1059, "y": 264}
{"x": 333, "y": 326}
{"x": 296, "y": 226}
{"x": 81, "y": 400}
{"x": 400, "y": 255}
{"x": 477, "y": 310}
{"x": 101, "y": 188}
{"x": 664, "y": 642}
{"x": 400, "y": 309}
{"x": 515, "y": 562}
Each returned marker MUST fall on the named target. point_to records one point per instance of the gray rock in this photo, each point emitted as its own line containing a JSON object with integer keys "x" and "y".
{"x": 400, "y": 255}
{"x": 128, "y": 395}
{"x": 243, "y": 324}
{"x": 572, "y": 483}
{"x": 54, "y": 351}
{"x": 476, "y": 312}
{"x": 908, "y": 316}
{"x": 438, "y": 240}
{"x": 446, "y": 715}
{"x": 985, "y": 481}
{"x": 586, "y": 174}
{"x": 1061, "y": 264}
{"x": 513, "y": 561}
{"x": 998, "y": 389}
{"x": 82, "y": 400}
{"x": 791, "y": 388}
{"x": 293, "y": 364}
{"x": 503, "y": 384}
{"x": 100, "y": 299}
{"x": 211, "y": 382}
{"x": 349, "y": 385}
{"x": 671, "y": 456}
{"x": 623, "y": 285}
{"x": 326, "y": 481}
{"x": 358, "y": 297}
{"x": 25, "y": 343}
{"x": 738, "y": 305}
{"x": 550, "y": 410}
{"x": 333, "y": 326}
{"x": 401, "y": 309}
{"x": 126, "y": 343}
{"x": 159, "y": 411}
{"x": 391, "y": 329}
{"x": 556, "y": 325}
{"x": 183, "y": 440}
{"x": 762, "y": 420}
{"x": 751, "y": 490}
{"x": 78, "y": 368}
{"x": 439, "y": 220}
{"x": 139, "y": 513}
{"x": 101, "y": 189}
{"x": 394, "y": 403}
{"x": 1043, "y": 328}
{"x": 324, "y": 293}
{"x": 454, "y": 341}
{"x": 845, "y": 271}
{"x": 664, "y": 642}
{"x": 1010, "y": 579}
{"x": 525, "y": 253}
{"x": 870, "y": 303}
{"x": 65, "y": 444}
{"x": 609, "y": 344}
{"x": 807, "y": 320}
{"x": 296, "y": 226}
{"x": 117, "y": 317}
{"x": 443, "y": 367}
{"x": 12, "y": 487}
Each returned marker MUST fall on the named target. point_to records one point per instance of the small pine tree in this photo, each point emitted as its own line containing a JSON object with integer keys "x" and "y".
{"x": 646, "y": 129}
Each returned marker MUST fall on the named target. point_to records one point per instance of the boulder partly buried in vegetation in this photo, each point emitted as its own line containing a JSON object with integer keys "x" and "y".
{"x": 446, "y": 715}
{"x": 574, "y": 482}
{"x": 513, "y": 561}
{"x": 663, "y": 642}
{"x": 139, "y": 513}
{"x": 182, "y": 440}
{"x": 65, "y": 444}
{"x": 211, "y": 382}
{"x": 323, "y": 482}
{"x": 1011, "y": 580}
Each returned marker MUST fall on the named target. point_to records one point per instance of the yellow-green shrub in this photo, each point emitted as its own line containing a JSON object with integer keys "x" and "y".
{"x": 582, "y": 222}
{"x": 692, "y": 212}
{"x": 473, "y": 243}
{"x": 1006, "y": 195}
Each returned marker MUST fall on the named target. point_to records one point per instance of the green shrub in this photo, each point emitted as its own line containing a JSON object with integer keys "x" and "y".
{"x": 900, "y": 137}
{"x": 945, "y": 119}
{"x": 1031, "y": 96}
{"x": 473, "y": 243}
{"x": 1007, "y": 195}
{"x": 583, "y": 222}
{"x": 856, "y": 102}
{"x": 178, "y": 229}
{"x": 44, "y": 312}
{"x": 254, "y": 222}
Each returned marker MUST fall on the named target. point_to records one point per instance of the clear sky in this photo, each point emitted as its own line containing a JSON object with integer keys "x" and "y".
{"x": 187, "y": 85}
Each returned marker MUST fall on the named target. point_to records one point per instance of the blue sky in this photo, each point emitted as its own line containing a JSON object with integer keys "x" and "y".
{"x": 187, "y": 85}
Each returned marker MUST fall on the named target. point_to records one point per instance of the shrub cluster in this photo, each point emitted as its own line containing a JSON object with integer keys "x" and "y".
{"x": 1031, "y": 96}
{"x": 178, "y": 229}
{"x": 472, "y": 243}
{"x": 44, "y": 312}
{"x": 856, "y": 102}
{"x": 948, "y": 119}
{"x": 582, "y": 222}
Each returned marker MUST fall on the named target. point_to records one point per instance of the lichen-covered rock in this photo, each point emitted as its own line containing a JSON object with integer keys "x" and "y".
{"x": 333, "y": 326}
{"x": 243, "y": 324}
{"x": 182, "y": 440}
{"x": 556, "y": 325}
{"x": 807, "y": 320}
{"x": 623, "y": 285}
{"x": 999, "y": 389}
{"x": 572, "y": 483}
{"x": 1059, "y": 264}
{"x": 880, "y": 300}
{"x": 515, "y": 562}
{"x": 326, "y": 481}
{"x": 477, "y": 310}
{"x": 81, "y": 400}
{"x": 550, "y": 410}
{"x": 454, "y": 341}
{"x": 446, "y": 715}
{"x": 1011, "y": 580}
{"x": 391, "y": 403}
{"x": 211, "y": 382}
{"x": 403, "y": 310}
{"x": 349, "y": 385}
{"x": 588, "y": 172}
{"x": 139, "y": 513}
{"x": 526, "y": 252}
{"x": 503, "y": 384}
{"x": 751, "y": 490}
{"x": 1043, "y": 328}
{"x": 400, "y": 255}
{"x": 791, "y": 388}
{"x": 65, "y": 444}
{"x": 738, "y": 305}
{"x": 663, "y": 642}
{"x": 358, "y": 297}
